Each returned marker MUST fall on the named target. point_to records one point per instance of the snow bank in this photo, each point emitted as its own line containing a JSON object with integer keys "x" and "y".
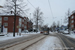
{"x": 49, "y": 43}
{"x": 10, "y": 36}
{"x": 71, "y": 35}
{"x": 52, "y": 33}
{"x": 31, "y": 33}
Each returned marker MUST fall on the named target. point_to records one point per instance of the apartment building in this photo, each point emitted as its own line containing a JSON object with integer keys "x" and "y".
{"x": 29, "y": 25}
{"x": 7, "y": 21}
{"x": 72, "y": 22}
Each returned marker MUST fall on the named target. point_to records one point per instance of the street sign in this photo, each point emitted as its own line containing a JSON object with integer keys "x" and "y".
{"x": 17, "y": 26}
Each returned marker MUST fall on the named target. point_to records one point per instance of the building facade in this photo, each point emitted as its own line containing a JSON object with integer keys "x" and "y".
{"x": 29, "y": 25}
{"x": 72, "y": 22}
{"x": 7, "y": 21}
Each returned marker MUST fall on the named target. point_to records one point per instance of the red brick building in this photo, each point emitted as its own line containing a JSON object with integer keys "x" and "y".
{"x": 29, "y": 25}
{"x": 8, "y": 22}
{"x": 72, "y": 21}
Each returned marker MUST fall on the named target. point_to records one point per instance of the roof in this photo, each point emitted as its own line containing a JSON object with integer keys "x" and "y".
{"x": 8, "y": 14}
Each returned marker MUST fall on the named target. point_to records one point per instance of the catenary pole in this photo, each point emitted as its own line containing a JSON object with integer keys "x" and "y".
{"x": 14, "y": 20}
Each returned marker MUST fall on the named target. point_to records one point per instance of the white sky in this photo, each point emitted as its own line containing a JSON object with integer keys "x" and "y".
{"x": 59, "y": 8}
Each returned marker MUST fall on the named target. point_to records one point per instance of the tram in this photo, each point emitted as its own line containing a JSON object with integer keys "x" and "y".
{"x": 46, "y": 31}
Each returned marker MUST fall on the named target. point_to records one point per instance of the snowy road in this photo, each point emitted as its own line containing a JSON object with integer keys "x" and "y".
{"x": 69, "y": 42}
{"x": 49, "y": 43}
{"x": 17, "y": 40}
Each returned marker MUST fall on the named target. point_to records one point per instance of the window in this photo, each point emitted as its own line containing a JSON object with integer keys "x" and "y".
{"x": 0, "y": 24}
{"x": 5, "y": 24}
{"x": 5, "y": 18}
{"x": 72, "y": 21}
{"x": 19, "y": 25}
{"x": 0, "y": 21}
{"x": 0, "y": 18}
{"x": 22, "y": 20}
{"x": 25, "y": 22}
{"x": 22, "y": 25}
{"x": 25, "y": 27}
{"x": 19, "y": 19}
{"x": 0, "y": 30}
{"x": 72, "y": 17}
{"x": 72, "y": 26}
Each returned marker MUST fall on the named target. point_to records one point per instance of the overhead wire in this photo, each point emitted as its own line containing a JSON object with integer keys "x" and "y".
{"x": 50, "y": 8}
{"x": 31, "y": 4}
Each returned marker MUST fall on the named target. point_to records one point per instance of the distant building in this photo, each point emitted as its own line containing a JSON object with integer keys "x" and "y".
{"x": 7, "y": 21}
{"x": 71, "y": 24}
{"x": 29, "y": 25}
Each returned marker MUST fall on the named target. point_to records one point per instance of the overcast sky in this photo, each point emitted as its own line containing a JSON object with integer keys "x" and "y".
{"x": 58, "y": 7}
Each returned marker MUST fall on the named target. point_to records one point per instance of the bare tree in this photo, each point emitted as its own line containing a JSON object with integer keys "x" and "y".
{"x": 58, "y": 25}
{"x": 9, "y": 6}
{"x": 17, "y": 7}
{"x": 38, "y": 17}
{"x": 53, "y": 26}
{"x": 67, "y": 20}
{"x": 67, "y": 15}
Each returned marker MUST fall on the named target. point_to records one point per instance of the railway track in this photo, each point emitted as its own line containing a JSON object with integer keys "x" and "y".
{"x": 21, "y": 43}
{"x": 33, "y": 43}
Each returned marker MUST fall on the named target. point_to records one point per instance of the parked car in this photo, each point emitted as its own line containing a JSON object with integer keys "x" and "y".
{"x": 26, "y": 31}
{"x": 41, "y": 32}
{"x": 65, "y": 32}
{"x": 61, "y": 31}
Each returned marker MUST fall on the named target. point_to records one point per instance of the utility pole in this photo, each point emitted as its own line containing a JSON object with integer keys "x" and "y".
{"x": 61, "y": 22}
{"x": 30, "y": 16}
{"x": 14, "y": 19}
{"x": 37, "y": 21}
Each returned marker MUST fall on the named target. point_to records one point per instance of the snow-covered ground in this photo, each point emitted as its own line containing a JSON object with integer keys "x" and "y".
{"x": 71, "y": 35}
{"x": 49, "y": 43}
{"x": 10, "y": 35}
{"x": 52, "y": 33}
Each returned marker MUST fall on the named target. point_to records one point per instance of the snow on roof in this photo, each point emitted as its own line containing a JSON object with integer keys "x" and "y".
{"x": 8, "y": 14}
{"x": 65, "y": 24}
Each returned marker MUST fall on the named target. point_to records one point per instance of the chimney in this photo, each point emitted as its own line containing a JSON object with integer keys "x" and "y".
{"x": 11, "y": 12}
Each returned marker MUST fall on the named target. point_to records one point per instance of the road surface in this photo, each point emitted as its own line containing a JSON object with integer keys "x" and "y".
{"x": 48, "y": 43}
{"x": 69, "y": 42}
{"x": 16, "y": 40}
